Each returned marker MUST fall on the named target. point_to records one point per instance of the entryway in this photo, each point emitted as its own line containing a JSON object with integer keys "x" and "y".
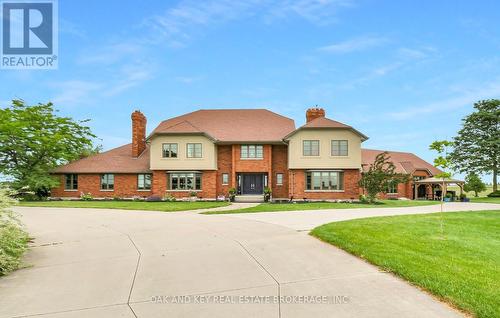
{"x": 251, "y": 183}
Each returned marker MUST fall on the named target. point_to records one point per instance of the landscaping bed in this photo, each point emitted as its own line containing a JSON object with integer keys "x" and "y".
{"x": 459, "y": 265}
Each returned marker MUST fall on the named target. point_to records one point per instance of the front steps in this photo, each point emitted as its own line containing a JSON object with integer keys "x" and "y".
{"x": 249, "y": 198}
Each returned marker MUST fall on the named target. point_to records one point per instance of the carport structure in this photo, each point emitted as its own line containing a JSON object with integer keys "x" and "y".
{"x": 441, "y": 182}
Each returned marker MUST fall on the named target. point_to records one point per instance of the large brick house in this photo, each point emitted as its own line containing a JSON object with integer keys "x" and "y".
{"x": 211, "y": 151}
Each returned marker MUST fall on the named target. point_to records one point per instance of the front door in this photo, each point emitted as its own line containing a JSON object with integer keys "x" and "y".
{"x": 252, "y": 184}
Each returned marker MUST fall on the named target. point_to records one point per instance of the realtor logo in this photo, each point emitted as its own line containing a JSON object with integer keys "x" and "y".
{"x": 29, "y": 34}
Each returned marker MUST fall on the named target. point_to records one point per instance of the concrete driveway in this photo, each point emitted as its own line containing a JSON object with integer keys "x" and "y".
{"x": 308, "y": 220}
{"x": 110, "y": 263}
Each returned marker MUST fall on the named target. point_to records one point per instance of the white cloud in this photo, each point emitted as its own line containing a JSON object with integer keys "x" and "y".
{"x": 130, "y": 76}
{"x": 110, "y": 54}
{"x": 177, "y": 24}
{"x": 403, "y": 58}
{"x": 74, "y": 92}
{"x": 357, "y": 44}
{"x": 467, "y": 98}
{"x": 315, "y": 11}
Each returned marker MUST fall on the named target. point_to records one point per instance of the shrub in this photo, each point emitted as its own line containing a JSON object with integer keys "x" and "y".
{"x": 267, "y": 194}
{"x": 153, "y": 198}
{"x": 86, "y": 197}
{"x": 169, "y": 198}
{"x": 13, "y": 239}
{"x": 363, "y": 199}
{"x": 494, "y": 194}
{"x": 117, "y": 198}
{"x": 232, "y": 194}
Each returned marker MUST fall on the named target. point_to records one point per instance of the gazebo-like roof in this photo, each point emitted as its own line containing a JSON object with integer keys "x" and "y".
{"x": 435, "y": 180}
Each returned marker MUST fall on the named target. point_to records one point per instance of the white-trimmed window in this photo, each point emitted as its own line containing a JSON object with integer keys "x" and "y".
{"x": 108, "y": 182}
{"x": 144, "y": 181}
{"x": 194, "y": 150}
{"x": 169, "y": 150}
{"x": 392, "y": 187}
{"x": 225, "y": 178}
{"x": 252, "y": 152}
{"x": 279, "y": 179}
{"x": 310, "y": 147}
{"x": 339, "y": 148}
{"x": 325, "y": 180}
{"x": 185, "y": 181}
{"x": 71, "y": 182}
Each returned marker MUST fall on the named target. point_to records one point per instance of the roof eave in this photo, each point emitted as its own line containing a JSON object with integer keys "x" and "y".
{"x": 181, "y": 133}
{"x": 363, "y": 136}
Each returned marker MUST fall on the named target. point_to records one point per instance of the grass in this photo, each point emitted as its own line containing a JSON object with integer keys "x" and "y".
{"x": 470, "y": 194}
{"x": 279, "y": 207}
{"x": 127, "y": 205}
{"x": 485, "y": 200}
{"x": 460, "y": 266}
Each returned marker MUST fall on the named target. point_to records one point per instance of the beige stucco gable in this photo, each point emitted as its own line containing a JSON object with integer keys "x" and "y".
{"x": 182, "y": 162}
{"x": 296, "y": 159}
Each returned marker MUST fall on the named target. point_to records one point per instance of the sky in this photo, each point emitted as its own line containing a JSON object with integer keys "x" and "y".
{"x": 402, "y": 72}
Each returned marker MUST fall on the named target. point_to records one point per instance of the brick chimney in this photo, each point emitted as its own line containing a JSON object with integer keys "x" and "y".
{"x": 138, "y": 133}
{"x": 313, "y": 113}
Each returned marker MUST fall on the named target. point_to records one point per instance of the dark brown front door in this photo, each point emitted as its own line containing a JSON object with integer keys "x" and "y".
{"x": 253, "y": 184}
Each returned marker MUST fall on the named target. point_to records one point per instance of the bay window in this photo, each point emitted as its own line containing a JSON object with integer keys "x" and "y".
{"x": 325, "y": 180}
{"x": 185, "y": 181}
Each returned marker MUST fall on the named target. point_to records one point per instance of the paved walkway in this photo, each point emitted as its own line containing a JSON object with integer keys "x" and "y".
{"x": 307, "y": 220}
{"x": 111, "y": 263}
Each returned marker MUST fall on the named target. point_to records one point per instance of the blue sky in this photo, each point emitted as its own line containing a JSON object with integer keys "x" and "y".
{"x": 402, "y": 72}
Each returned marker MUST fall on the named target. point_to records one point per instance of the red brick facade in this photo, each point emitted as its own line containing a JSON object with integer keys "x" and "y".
{"x": 280, "y": 165}
{"x": 406, "y": 190}
{"x": 138, "y": 133}
{"x": 274, "y": 161}
{"x": 125, "y": 186}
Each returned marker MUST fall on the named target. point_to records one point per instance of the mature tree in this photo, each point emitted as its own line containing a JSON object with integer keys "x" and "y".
{"x": 90, "y": 151}
{"x": 443, "y": 159}
{"x": 380, "y": 174}
{"x": 474, "y": 183}
{"x": 477, "y": 145}
{"x": 34, "y": 140}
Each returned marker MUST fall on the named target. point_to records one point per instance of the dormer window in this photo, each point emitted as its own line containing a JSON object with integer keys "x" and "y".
{"x": 339, "y": 148}
{"x": 194, "y": 151}
{"x": 169, "y": 150}
{"x": 310, "y": 148}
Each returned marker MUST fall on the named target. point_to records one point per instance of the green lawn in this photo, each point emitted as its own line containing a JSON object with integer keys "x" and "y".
{"x": 127, "y": 205}
{"x": 462, "y": 266}
{"x": 470, "y": 194}
{"x": 485, "y": 200}
{"x": 276, "y": 207}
